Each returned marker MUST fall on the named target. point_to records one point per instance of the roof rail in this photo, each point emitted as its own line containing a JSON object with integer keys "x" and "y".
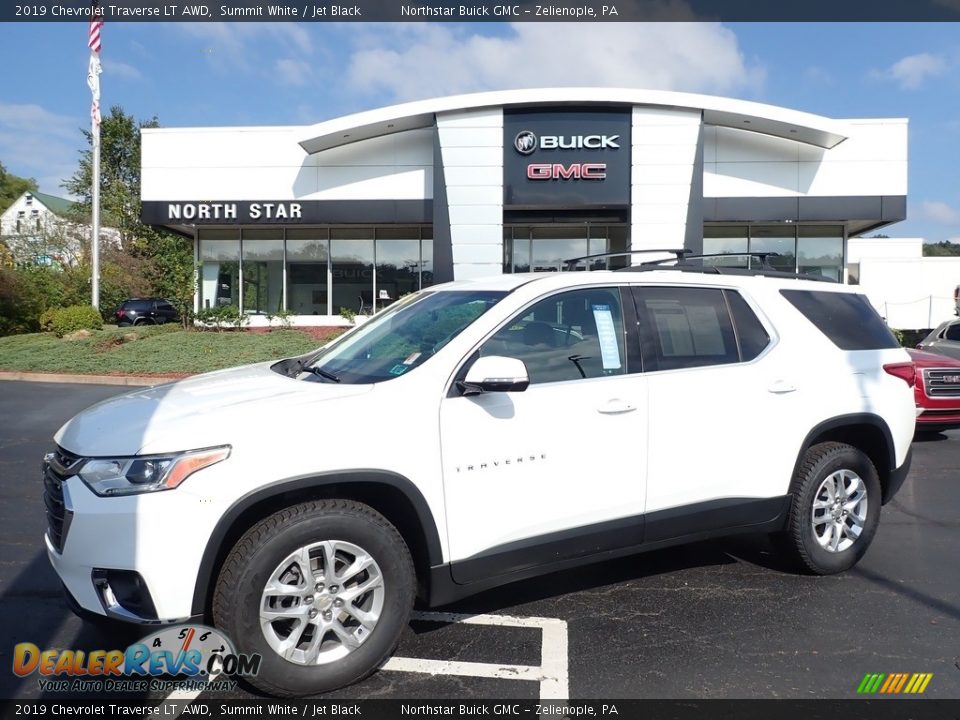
{"x": 683, "y": 264}
{"x": 679, "y": 253}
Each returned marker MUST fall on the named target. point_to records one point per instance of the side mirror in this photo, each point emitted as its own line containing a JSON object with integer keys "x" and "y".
{"x": 494, "y": 373}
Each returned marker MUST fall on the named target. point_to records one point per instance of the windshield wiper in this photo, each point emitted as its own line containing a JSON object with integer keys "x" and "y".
{"x": 322, "y": 373}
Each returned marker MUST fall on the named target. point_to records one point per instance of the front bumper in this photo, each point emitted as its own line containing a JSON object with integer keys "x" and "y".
{"x": 132, "y": 558}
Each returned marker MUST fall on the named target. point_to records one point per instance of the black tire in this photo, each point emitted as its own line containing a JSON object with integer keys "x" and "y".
{"x": 238, "y": 593}
{"x": 799, "y": 541}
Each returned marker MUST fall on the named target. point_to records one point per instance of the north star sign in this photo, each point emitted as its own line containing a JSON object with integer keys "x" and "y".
{"x": 191, "y": 211}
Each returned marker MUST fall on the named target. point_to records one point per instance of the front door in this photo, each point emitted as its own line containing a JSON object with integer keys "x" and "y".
{"x": 559, "y": 470}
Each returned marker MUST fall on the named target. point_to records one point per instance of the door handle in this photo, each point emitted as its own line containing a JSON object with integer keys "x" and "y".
{"x": 616, "y": 407}
{"x": 781, "y": 387}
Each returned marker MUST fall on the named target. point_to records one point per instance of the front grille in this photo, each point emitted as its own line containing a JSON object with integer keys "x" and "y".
{"x": 942, "y": 382}
{"x": 57, "y": 467}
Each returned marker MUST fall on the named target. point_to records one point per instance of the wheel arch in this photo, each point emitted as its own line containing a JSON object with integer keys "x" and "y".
{"x": 393, "y": 496}
{"x": 866, "y": 432}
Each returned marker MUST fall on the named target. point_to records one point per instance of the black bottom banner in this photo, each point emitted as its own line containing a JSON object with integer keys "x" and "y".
{"x": 912, "y": 709}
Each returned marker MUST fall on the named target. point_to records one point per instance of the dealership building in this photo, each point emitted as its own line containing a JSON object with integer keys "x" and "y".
{"x": 356, "y": 211}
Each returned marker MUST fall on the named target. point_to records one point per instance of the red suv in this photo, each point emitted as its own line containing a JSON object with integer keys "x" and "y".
{"x": 937, "y": 391}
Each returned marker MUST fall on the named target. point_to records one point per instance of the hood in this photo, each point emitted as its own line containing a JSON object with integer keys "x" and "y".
{"x": 202, "y": 411}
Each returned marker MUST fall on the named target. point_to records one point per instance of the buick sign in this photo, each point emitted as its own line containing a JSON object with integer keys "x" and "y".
{"x": 525, "y": 142}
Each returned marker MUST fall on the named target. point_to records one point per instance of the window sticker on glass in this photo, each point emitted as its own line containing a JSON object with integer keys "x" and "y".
{"x": 609, "y": 350}
{"x": 399, "y": 369}
{"x": 412, "y": 359}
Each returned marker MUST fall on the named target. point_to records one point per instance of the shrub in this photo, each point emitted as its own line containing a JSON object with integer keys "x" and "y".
{"x": 76, "y": 317}
{"x": 46, "y": 319}
{"x": 222, "y": 316}
{"x": 348, "y": 314}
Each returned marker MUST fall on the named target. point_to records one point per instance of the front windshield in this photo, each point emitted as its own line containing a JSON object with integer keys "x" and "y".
{"x": 401, "y": 338}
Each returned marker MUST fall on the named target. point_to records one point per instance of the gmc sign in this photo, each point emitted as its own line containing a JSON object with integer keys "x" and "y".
{"x": 573, "y": 171}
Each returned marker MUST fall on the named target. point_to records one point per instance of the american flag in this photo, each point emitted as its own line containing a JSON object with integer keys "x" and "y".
{"x": 96, "y": 24}
{"x": 93, "y": 69}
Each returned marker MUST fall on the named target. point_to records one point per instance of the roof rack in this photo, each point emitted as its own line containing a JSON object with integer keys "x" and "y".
{"x": 683, "y": 264}
{"x": 683, "y": 256}
{"x": 679, "y": 254}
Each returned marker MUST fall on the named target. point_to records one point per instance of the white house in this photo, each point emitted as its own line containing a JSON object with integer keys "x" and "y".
{"x": 43, "y": 229}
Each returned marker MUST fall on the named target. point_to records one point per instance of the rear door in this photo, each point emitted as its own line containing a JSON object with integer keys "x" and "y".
{"x": 721, "y": 427}
{"x": 558, "y": 470}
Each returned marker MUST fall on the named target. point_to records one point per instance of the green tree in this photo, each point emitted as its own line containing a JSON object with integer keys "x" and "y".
{"x": 167, "y": 259}
{"x": 13, "y": 186}
{"x": 941, "y": 249}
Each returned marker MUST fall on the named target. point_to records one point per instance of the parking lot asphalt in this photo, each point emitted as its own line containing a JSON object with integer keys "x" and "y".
{"x": 722, "y": 619}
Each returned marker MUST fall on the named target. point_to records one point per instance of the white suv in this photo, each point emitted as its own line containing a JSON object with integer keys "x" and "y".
{"x": 475, "y": 434}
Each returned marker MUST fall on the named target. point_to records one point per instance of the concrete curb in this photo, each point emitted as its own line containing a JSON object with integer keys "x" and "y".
{"x": 130, "y": 380}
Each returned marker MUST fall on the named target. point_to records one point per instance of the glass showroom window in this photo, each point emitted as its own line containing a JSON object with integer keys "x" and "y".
{"x": 820, "y": 251}
{"x": 262, "y": 253}
{"x": 219, "y": 268}
{"x": 308, "y": 276}
{"x": 546, "y": 248}
{"x": 351, "y": 268}
{"x": 725, "y": 239}
{"x": 780, "y": 239}
{"x": 398, "y": 263}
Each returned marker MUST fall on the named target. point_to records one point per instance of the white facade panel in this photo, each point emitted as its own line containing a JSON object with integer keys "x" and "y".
{"x": 872, "y": 140}
{"x": 665, "y": 135}
{"x": 472, "y": 157}
{"x": 652, "y": 115}
{"x": 469, "y": 271}
{"x": 656, "y": 235}
{"x": 665, "y": 144}
{"x": 454, "y": 137}
{"x": 473, "y": 254}
{"x": 661, "y": 194}
{"x": 221, "y": 147}
{"x": 654, "y": 174}
{"x": 479, "y": 234}
{"x": 665, "y": 154}
{"x": 484, "y": 195}
{"x": 750, "y": 179}
{"x": 854, "y": 178}
{"x": 476, "y": 214}
{"x": 659, "y": 213}
{"x": 486, "y": 118}
{"x": 743, "y": 146}
{"x": 474, "y": 176}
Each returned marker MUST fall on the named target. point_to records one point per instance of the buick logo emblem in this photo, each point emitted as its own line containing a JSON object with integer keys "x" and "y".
{"x": 525, "y": 142}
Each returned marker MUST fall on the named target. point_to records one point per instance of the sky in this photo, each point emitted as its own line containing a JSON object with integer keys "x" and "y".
{"x": 215, "y": 74}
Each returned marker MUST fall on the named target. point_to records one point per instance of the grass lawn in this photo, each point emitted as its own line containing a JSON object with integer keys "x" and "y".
{"x": 152, "y": 350}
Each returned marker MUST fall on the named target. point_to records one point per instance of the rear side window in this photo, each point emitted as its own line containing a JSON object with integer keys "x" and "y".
{"x": 952, "y": 332}
{"x": 751, "y": 335}
{"x": 139, "y": 305}
{"x": 848, "y": 320}
{"x": 686, "y": 327}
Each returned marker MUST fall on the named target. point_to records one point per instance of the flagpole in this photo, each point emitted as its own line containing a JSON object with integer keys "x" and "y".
{"x": 93, "y": 80}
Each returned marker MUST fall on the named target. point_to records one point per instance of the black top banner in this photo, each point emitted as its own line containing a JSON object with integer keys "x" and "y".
{"x": 485, "y": 11}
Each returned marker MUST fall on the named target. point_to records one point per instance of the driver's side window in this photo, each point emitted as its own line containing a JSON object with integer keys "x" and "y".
{"x": 568, "y": 336}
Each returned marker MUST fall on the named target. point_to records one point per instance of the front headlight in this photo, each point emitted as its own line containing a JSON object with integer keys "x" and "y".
{"x": 131, "y": 475}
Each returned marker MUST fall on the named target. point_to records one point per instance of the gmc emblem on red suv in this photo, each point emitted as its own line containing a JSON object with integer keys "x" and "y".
{"x": 573, "y": 171}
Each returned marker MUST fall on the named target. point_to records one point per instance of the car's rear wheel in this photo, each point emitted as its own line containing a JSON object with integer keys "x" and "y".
{"x": 321, "y": 590}
{"x": 835, "y": 509}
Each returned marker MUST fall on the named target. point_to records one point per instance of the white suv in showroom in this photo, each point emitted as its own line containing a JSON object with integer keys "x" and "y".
{"x": 475, "y": 434}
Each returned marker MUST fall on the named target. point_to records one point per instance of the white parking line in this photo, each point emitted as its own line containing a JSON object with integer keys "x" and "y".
{"x": 552, "y": 673}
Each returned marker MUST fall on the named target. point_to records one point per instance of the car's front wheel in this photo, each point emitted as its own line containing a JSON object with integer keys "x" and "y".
{"x": 835, "y": 508}
{"x": 321, "y": 590}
